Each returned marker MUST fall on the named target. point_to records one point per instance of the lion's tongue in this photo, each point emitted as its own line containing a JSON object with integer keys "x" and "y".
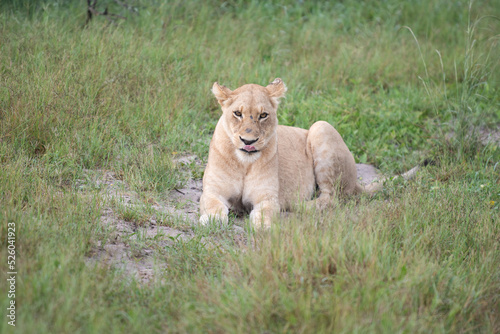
{"x": 249, "y": 148}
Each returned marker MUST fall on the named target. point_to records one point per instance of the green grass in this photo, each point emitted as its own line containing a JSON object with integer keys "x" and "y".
{"x": 130, "y": 97}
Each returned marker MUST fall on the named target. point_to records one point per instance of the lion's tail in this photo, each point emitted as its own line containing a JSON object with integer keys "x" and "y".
{"x": 375, "y": 186}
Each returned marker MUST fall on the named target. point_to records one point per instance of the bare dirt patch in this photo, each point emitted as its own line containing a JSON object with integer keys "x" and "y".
{"x": 367, "y": 173}
{"x": 486, "y": 136}
{"x": 489, "y": 136}
{"x": 130, "y": 244}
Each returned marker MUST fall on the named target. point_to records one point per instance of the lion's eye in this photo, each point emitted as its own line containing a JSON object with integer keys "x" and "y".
{"x": 263, "y": 115}
{"x": 237, "y": 113}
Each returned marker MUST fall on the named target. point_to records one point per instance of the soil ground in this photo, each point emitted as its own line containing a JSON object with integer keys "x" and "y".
{"x": 119, "y": 251}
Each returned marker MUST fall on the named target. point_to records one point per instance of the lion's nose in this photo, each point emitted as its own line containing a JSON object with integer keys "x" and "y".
{"x": 248, "y": 142}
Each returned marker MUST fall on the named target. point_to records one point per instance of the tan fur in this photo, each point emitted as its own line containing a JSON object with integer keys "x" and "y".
{"x": 289, "y": 165}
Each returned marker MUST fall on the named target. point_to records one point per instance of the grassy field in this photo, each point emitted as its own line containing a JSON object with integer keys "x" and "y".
{"x": 401, "y": 81}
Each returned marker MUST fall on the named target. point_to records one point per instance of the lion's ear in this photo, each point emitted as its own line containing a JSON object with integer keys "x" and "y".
{"x": 276, "y": 89}
{"x": 222, "y": 93}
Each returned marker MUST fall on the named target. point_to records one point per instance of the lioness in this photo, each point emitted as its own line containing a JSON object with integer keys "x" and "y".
{"x": 256, "y": 165}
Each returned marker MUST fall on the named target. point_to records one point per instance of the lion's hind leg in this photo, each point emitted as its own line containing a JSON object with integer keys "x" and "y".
{"x": 334, "y": 166}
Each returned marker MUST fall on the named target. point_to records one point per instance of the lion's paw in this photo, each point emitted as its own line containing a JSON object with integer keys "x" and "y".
{"x": 206, "y": 219}
{"x": 259, "y": 222}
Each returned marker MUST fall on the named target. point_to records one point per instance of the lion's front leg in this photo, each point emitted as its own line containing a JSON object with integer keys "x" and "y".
{"x": 263, "y": 213}
{"x": 212, "y": 208}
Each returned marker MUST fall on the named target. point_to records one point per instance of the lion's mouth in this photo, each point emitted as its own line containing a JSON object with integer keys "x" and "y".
{"x": 249, "y": 149}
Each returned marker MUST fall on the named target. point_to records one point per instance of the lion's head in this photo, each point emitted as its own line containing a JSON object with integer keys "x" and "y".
{"x": 249, "y": 115}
